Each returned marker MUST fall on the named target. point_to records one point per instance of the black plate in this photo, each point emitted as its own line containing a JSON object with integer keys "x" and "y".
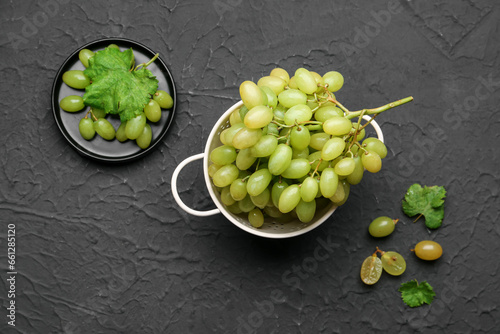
{"x": 98, "y": 148}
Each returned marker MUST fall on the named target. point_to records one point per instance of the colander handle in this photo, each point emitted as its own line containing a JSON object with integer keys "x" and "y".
{"x": 377, "y": 128}
{"x": 177, "y": 198}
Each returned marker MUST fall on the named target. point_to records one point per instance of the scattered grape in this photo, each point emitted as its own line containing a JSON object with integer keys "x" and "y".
{"x": 371, "y": 269}
{"x": 428, "y": 250}
{"x": 393, "y": 263}
{"x": 382, "y": 226}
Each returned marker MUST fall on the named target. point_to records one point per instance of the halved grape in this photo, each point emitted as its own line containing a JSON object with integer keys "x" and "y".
{"x": 371, "y": 270}
{"x": 393, "y": 263}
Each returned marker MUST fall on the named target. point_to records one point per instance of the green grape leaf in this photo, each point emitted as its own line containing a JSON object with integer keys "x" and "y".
{"x": 427, "y": 202}
{"x": 116, "y": 88}
{"x": 415, "y": 294}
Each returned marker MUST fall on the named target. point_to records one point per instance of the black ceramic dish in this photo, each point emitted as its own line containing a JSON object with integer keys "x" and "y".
{"x": 98, "y": 148}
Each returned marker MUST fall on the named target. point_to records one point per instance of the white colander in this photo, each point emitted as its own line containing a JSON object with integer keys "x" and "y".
{"x": 272, "y": 228}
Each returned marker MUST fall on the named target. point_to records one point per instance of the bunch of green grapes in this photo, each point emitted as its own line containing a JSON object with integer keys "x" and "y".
{"x": 291, "y": 146}
{"x": 95, "y": 120}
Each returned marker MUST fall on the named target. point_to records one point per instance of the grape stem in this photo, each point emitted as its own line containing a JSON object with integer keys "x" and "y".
{"x": 148, "y": 63}
{"x": 378, "y": 110}
{"x": 419, "y": 216}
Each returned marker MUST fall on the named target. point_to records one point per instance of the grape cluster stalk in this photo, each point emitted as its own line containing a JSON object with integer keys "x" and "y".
{"x": 293, "y": 147}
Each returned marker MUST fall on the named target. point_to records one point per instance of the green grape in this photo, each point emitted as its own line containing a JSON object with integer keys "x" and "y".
{"x": 272, "y": 129}
{"x": 238, "y": 189}
{"x": 227, "y": 135}
{"x": 135, "y": 126}
{"x": 289, "y": 198}
{"x": 276, "y": 191}
{"x": 332, "y": 148}
{"x": 305, "y": 210}
{"x": 235, "y": 117}
{"x": 298, "y": 114}
{"x": 320, "y": 82}
{"x": 223, "y": 155}
{"x": 86, "y": 128}
{"x": 261, "y": 199}
{"x": 375, "y": 145}
{"x": 337, "y": 126}
{"x": 428, "y": 250}
{"x": 264, "y": 147}
{"x": 258, "y": 117}
{"x": 152, "y": 110}
{"x": 104, "y": 129}
{"x": 225, "y": 175}
{"x": 328, "y": 182}
{"x": 279, "y": 112}
{"x": 113, "y": 46}
{"x": 371, "y": 270}
{"x": 361, "y": 133}
{"x": 309, "y": 189}
{"x": 339, "y": 194}
{"x": 283, "y": 135}
{"x": 272, "y": 98}
{"x": 251, "y": 94}
{"x": 234, "y": 208}
{"x": 345, "y": 166}
{"x": 305, "y": 81}
{"x": 144, "y": 140}
{"x": 72, "y": 103}
{"x": 280, "y": 73}
{"x": 290, "y": 97}
{"x": 225, "y": 196}
{"x": 371, "y": 161}
{"x": 258, "y": 181}
{"x": 245, "y": 159}
{"x": 316, "y": 162}
{"x": 280, "y": 159}
{"x": 393, "y": 263}
{"x": 98, "y": 113}
{"x": 297, "y": 154}
{"x": 276, "y": 84}
{"x": 298, "y": 168}
{"x": 212, "y": 169}
{"x": 163, "y": 99}
{"x": 246, "y": 138}
{"x": 357, "y": 174}
{"x": 120, "y": 132}
{"x": 318, "y": 140}
{"x": 246, "y": 204}
{"x": 84, "y": 55}
{"x": 243, "y": 111}
{"x": 273, "y": 211}
{"x": 334, "y": 80}
{"x": 256, "y": 218}
{"x": 76, "y": 79}
{"x": 292, "y": 84}
{"x": 326, "y": 112}
{"x": 381, "y": 227}
{"x": 346, "y": 189}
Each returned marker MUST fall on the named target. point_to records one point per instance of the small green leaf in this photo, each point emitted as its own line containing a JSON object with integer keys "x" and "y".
{"x": 116, "y": 87}
{"x": 426, "y": 201}
{"x": 415, "y": 294}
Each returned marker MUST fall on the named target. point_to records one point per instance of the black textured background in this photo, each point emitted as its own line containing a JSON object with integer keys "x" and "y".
{"x": 105, "y": 249}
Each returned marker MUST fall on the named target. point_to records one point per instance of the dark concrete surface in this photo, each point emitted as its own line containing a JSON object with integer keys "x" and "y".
{"x": 105, "y": 249}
